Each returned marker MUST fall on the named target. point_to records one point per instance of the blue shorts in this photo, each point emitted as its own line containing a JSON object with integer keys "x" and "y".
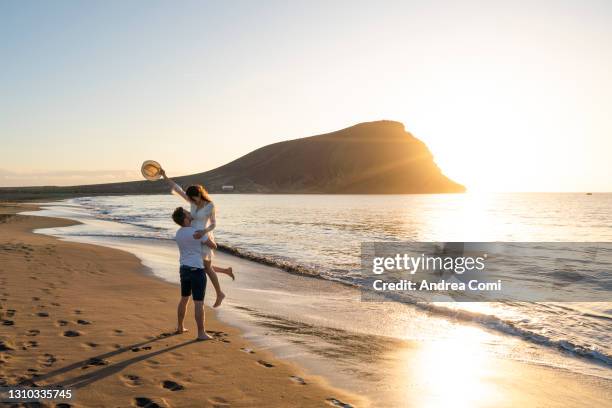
{"x": 193, "y": 282}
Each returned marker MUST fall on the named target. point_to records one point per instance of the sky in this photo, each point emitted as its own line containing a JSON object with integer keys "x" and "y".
{"x": 508, "y": 95}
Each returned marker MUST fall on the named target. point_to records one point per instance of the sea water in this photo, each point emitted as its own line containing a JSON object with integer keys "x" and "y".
{"x": 320, "y": 235}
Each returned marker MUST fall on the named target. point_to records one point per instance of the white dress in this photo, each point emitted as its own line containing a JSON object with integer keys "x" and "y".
{"x": 201, "y": 220}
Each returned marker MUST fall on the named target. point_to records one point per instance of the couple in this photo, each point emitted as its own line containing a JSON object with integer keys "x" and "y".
{"x": 196, "y": 243}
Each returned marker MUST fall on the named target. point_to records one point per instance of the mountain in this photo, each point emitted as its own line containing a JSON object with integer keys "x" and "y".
{"x": 368, "y": 158}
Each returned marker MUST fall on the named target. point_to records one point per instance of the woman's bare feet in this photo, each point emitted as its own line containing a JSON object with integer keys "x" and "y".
{"x": 181, "y": 330}
{"x": 203, "y": 336}
{"x": 220, "y": 297}
{"x": 226, "y": 271}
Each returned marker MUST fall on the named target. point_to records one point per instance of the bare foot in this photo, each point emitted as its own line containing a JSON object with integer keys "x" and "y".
{"x": 220, "y": 298}
{"x": 230, "y": 272}
{"x": 181, "y": 330}
{"x": 203, "y": 336}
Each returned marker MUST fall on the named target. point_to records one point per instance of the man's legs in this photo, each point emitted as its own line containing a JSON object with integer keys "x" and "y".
{"x": 182, "y": 308}
{"x": 199, "y": 317}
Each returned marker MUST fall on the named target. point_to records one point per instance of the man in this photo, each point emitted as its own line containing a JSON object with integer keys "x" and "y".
{"x": 193, "y": 278}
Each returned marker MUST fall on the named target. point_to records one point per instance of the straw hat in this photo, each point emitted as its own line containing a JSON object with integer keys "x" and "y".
{"x": 151, "y": 170}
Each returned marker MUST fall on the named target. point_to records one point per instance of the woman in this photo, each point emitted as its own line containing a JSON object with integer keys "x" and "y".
{"x": 203, "y": 213}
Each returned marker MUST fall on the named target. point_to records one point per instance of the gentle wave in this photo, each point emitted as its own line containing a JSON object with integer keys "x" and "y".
{"x": 489, "y": 321}
{"x": 511, "y": 328}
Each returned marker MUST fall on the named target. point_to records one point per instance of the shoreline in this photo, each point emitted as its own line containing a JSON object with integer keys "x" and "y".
{"x": 127, "y": 236}
{"x": 406, "y": 360}
{"x": 119, "y": 352}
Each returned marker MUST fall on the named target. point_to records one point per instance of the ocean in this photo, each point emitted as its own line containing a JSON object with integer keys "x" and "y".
{"x": 320, "y": 236}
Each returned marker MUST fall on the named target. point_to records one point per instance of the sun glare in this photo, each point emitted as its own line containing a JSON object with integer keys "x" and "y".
{"x": 452, "y": 372}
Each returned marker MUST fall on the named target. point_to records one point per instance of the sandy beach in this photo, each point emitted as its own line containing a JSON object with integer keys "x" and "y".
{"x": 92, "y": 319}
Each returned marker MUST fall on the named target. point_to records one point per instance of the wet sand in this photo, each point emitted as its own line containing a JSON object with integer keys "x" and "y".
{"x": 94, "y": 320}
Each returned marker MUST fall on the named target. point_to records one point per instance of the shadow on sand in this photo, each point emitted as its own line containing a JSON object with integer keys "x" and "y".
{"x": 107, "y": 367}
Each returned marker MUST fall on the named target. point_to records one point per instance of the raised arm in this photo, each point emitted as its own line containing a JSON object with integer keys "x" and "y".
{"x": 175, "y": 187}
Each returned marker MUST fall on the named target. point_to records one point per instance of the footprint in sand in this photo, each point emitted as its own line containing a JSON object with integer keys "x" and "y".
{"x": 62, "y": 323}
{"x": 10, "y": 312}
{"x": 95, "y": 361}
{"x": 136, "y": 349}
{"x": 35, "y": 298}
{"x": 337, "y": 403}
{"x": 33, "y": 332}
{"x": 42, "y": 314}
{"x": 72, "y": 333}
{"x": 63, "y": 405}
{"x": 172, "y": 386}
{"x": 219, "y": 402}
{"x": 8, "y": 323}
{"x": 265, "y": 363}
{"x": 5, "y": 346}
{"x": 26, "y": 382}
{"x": 28, "y": 345}
{"x": 55, "y": 304}
{"x": 118, "y": 331}
{"x": 132, "y": 380}
{"x": 219, "y": 336}
{"x": 92, "y": 344}
{"x": 48, "y": 360}
{"x": 77, "y": 311}
{"x": 83, "y": 322}
{"x": 298, "y": 380}
{"x": 247, "y": 350}
{"x": 146, "y": 402}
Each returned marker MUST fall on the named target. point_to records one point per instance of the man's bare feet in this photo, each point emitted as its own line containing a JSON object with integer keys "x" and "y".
{"x": 181, "y": 330}
{"x": 203, "y": 336}
{"x": 220, "y": 297}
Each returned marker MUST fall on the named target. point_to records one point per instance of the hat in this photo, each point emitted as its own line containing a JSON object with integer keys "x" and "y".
{"x": 151, "y": 170}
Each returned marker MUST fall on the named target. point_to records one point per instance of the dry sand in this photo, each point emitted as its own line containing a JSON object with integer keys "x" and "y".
{"x": 92, "y": 319}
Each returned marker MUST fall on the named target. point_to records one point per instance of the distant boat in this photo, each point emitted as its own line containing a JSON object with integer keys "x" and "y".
{"x": 227, "y": 188}
{"x": 589, "y": 193}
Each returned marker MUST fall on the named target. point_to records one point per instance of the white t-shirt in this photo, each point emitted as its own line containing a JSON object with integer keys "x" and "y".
{"x": 190, "y": 248}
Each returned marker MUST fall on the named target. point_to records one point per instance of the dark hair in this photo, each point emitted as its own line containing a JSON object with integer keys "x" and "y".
{"x": 198, "y": 190}
{"x": 179, "y": 216}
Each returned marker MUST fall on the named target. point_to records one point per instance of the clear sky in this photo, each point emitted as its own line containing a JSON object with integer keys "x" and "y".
{"x": 508, "y": 95}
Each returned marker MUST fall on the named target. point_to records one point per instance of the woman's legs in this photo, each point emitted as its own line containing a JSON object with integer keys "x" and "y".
{"x": 215, "y": 282}
{"x": 226, "y": 271}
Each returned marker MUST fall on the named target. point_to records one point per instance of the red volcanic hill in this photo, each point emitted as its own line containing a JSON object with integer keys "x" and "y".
{"x": 369, "y": 158}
